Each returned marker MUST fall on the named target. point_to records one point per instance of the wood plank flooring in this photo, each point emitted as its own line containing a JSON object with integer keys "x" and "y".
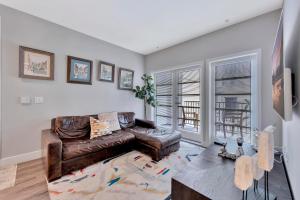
{"x": 30, "y": 183}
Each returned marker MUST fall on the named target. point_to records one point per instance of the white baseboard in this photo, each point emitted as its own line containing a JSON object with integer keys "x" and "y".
{"x": 21, "y": 158}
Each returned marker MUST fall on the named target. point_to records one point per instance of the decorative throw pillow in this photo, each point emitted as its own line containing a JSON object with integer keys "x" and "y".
{"x": 98, "y": 128}
{"x": 111, "y": 118}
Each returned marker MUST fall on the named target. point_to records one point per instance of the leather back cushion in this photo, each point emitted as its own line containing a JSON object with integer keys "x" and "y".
{"x": 126, "y": 119}
{"x": 72, "y": 127}
{"x": 75, "y": 127}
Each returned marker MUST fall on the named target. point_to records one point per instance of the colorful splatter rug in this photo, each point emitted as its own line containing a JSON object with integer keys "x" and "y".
{"x": 132, "y": 176}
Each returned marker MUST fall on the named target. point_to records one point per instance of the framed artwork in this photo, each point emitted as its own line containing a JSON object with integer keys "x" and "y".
{"x": 36, "y": 64}
{"x": 79, "y": 70}
{"x": 125, "y": 79}
{"x": 106, "y": 72}
{"x": 278, "y": 72}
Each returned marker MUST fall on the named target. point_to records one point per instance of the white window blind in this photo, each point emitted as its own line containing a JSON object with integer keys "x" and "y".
{"x": 164, "y": 97}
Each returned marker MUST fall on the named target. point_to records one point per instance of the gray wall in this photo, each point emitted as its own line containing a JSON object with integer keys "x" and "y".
{"x": 22, "y": 125}
{"x": 291, "y": 133}
{"x": 257, "y": 33}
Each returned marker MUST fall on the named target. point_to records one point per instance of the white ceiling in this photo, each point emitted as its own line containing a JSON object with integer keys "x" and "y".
{"x": 145, "y": 26}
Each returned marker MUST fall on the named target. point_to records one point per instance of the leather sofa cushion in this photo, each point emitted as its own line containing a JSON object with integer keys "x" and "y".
{"x": 158, "y": 139}
{"x": 72, "y": 127}
{"x": 126, "y": 119}
{"x": 76, "y": 127}
{"x": 75, "y": 148}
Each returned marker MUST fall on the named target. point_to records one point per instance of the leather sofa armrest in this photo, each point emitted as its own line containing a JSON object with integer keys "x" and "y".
{"x": 145, "y": 123}
{"x": 52, "y": 154}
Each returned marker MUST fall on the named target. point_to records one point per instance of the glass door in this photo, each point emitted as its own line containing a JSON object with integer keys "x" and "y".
{"x": 187, "y": 105}
{"x": 178, "y": 94}
{"x": 234, "y": 109}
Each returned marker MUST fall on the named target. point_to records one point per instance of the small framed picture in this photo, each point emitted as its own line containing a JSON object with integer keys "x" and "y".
{"x": 106, "y": 72}
{"x": 125, "y": 79}
{"x": 36, "y": 64}
{"x": 79, "y": 70}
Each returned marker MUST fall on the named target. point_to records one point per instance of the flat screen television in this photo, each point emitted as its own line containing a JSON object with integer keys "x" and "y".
{"x": 281, "y": 78}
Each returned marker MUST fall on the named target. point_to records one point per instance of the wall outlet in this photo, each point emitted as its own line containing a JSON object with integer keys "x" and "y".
{"x": 25, "y": 100}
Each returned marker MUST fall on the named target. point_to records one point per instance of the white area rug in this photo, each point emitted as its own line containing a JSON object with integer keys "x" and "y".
{"x": 132, "y": 176}
{"x": 8, "y": 176}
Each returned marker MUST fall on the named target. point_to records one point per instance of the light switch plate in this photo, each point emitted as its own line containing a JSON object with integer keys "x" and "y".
{"x": 38, "y": 100}
{"x": 26, "y": 100}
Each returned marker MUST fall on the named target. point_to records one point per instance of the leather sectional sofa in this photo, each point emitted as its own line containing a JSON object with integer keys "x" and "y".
{"x": 67, "y": 145}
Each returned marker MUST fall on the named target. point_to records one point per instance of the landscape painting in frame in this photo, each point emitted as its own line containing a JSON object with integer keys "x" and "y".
{"x": 79, "y": 70}
{"x": 125, "y": 79}
{"x": 277, "y": 72}
{"x": 36, "y": 64}
{"x": 106, "y": 72}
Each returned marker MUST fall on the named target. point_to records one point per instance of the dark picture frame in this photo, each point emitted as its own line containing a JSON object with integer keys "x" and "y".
{"x": 36, "y": 64}
{"x": 125, "y": 76}
{"x": 79, "y": 65}
{"x": 101, "y": 70}
{"x": 278, "y": 72}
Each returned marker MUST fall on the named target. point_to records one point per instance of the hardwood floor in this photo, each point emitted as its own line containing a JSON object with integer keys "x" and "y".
{"x": 30, "y": 183}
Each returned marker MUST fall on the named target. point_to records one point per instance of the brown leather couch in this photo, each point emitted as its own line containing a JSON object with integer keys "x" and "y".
{"x": 67, "y": 145}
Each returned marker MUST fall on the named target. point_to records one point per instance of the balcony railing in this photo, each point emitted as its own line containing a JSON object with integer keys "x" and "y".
{"x": 233, "y": 119}
{"x": 189, "y": 115}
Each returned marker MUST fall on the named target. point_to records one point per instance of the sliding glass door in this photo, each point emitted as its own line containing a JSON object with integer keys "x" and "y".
{"x": 178, "y": 94}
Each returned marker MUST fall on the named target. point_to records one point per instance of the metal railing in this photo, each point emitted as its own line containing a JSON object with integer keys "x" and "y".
{"x": 233, "y": 117}
{"x": 189, "y": 114}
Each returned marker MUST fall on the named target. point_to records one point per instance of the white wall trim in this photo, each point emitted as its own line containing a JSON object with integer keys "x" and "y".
{"x": 21, "y": 158}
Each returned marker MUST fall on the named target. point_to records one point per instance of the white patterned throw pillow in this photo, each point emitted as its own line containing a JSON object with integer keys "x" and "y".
{"x": 98, "y": 128}
{"x": 111, "y": 118}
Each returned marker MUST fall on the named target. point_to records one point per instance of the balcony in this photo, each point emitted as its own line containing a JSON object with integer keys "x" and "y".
{"x": 189, "y": 115}
{"x": 233, "y": 119}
